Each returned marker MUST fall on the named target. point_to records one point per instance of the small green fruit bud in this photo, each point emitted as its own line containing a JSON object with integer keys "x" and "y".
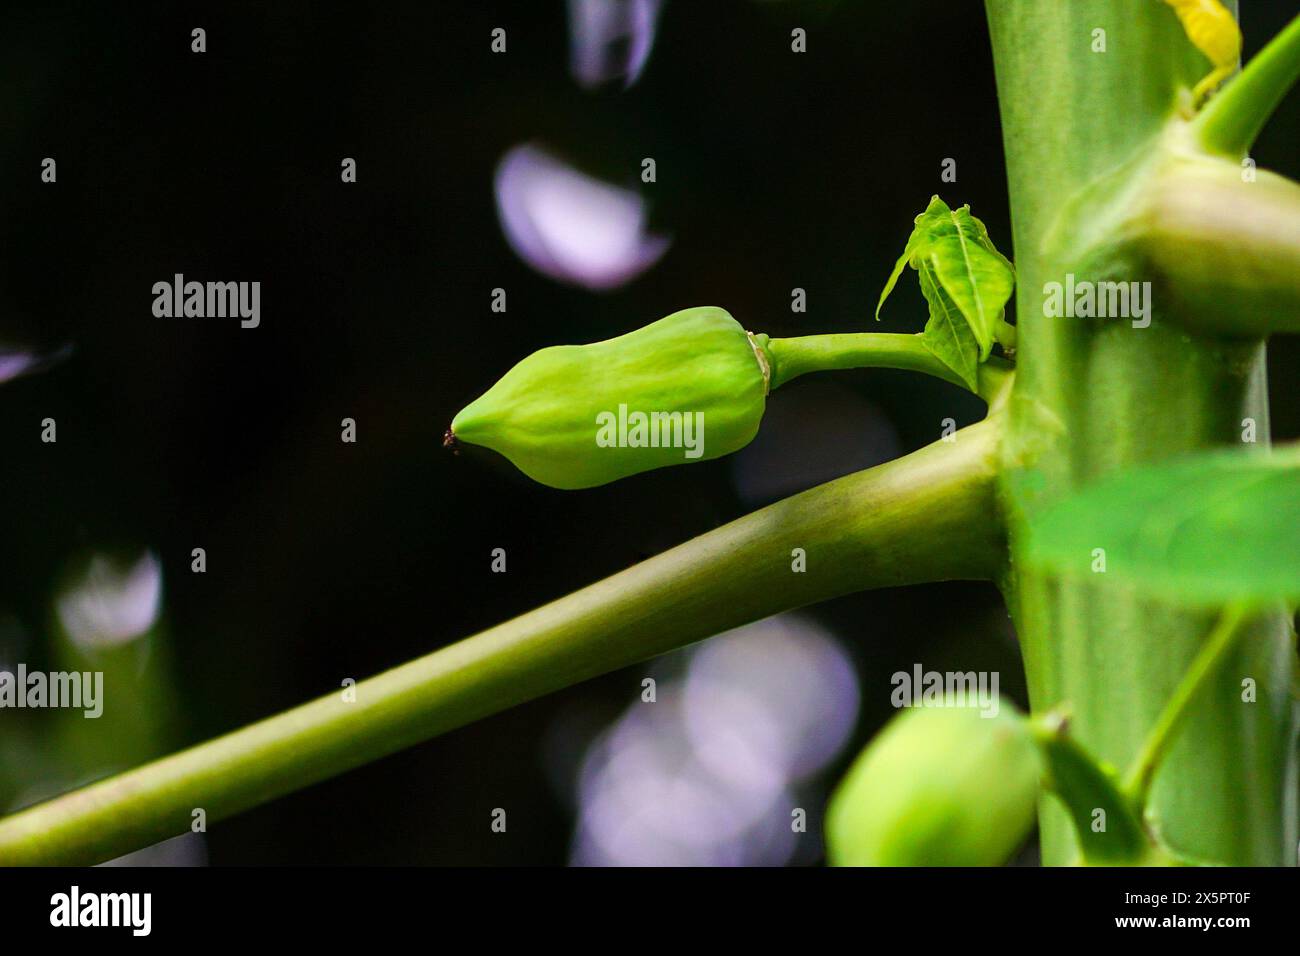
{"x": 687, "y": 388}
{"x": 939, "y": 786}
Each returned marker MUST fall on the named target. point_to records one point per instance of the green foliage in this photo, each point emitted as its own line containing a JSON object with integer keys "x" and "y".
{"x": 1105, "y": 823}
{"x": 965, "y": 281}
{"x": 1204, "y": 530}
{"x": 939, "y": 786}
{"x": 948, "y": 335}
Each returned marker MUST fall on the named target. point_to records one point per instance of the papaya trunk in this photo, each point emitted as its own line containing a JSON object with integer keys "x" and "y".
{"x": 1093, "y": 395}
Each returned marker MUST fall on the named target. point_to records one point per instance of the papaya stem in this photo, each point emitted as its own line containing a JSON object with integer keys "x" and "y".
{"x": 1233, "y": 118}
{"x": 791, "y": 358}
{"x": 928, "y": 516}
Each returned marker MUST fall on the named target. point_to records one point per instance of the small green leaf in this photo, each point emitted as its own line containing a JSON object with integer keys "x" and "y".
{"x": 1202, "y": 531}
{"x": 947, "y": 334}
{"x": 1085, "y": 786}
{"x": 914, "y": 243}
{"x": 977, "y": 279}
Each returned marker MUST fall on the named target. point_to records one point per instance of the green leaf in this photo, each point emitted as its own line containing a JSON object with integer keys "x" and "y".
{"x": 1084, "y": 786}
{"x": 947, "y": 334}
{"x": 977, "y": 279}
{"x": 914, "y": 243}
{"x": 1202, "y": 531}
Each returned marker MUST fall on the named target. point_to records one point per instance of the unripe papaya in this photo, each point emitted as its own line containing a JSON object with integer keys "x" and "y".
{"x": 689, "y": 387}
{"x": 939, "y": 786}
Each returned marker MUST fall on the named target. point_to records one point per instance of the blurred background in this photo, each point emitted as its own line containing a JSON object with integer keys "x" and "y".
{"x": 475, "y": 171}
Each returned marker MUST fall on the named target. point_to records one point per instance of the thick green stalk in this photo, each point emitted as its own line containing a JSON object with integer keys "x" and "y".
{"x": 1095, "y": 395}
{"x": 928, "y": 516}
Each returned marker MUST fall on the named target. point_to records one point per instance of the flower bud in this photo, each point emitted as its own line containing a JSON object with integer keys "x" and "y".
{"x": 687, "y": 388}
{"x": 939, "y": 786}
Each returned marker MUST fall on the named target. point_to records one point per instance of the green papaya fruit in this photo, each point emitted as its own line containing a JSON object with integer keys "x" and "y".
{"x": 939, "y": 786}
{"x": 689, "y": 387}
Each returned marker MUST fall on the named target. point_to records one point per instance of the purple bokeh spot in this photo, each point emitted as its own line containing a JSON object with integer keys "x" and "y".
{"x": 570, "y": 226}
{"x": 611, "y": 39}
{"x": 13, "y": 364}
{"x": 16, "y": 362}
{"x": 708, "y": 774}
{"x": 112, "y": 603}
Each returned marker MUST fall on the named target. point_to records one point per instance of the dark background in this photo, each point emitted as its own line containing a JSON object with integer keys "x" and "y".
{"x": 328, "y": 560}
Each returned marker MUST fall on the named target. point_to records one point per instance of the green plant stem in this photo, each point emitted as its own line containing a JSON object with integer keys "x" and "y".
{"x": 1233, "y": 118}
{"x": 818, "y": 353}
{"x": 927, "y": 516}
{"x": 1137, "y": 782}
{"x": 1093, "y": 397}
{"x": 1083, "y": 786}
{"x": 791, "y": 358}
